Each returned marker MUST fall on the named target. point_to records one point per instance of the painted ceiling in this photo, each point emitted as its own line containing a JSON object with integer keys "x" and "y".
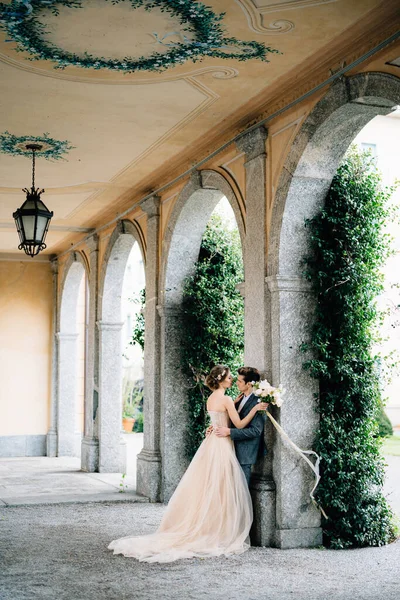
{"x": 129, "y": 131}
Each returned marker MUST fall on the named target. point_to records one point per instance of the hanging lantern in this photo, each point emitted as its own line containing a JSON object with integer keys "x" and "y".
{"x": 33, "y": 218}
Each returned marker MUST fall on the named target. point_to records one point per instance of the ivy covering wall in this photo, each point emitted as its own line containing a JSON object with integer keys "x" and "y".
{"x": 213, "y": 319}
{"x": 350, "y": 245}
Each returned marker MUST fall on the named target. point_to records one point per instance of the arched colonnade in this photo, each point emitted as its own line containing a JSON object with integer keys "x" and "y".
{"x": 278, "y": 312}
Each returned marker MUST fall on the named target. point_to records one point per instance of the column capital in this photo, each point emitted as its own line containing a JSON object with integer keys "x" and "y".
{"x": 54, "y": 266}
{"x": 282, "y": 283}
{"x": 61, "y": 336}
{"x": 104, "y": 326}
{"x": 253, "y": 143}
{"x": 169, "y": 310}
{"x": 92, "y": 242}
{"x": 151, "y": 206}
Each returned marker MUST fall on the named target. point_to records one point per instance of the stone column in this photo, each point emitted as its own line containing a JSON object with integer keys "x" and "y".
{"x": 149, "y": 459}
{"x": 256, "y": 328}
{"x": 112, "y": 448}
{"x": 174, "y": 386}
{"x": 52, "y": 433}
{"x": 255, "y": 248}
{"x": 67, "y": 379}
{"x": 297, "y": 520}
{"x": 90, "y": 441}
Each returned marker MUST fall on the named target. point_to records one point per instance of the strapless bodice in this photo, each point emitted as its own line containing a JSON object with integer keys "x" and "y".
{"x": 219, "y": 418}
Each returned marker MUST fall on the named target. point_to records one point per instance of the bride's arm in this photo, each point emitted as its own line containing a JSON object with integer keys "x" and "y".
{"x": 234, "y": 417}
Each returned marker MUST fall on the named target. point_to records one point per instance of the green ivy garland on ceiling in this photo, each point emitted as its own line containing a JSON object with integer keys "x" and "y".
{"x": 16, "y": 145}
{"x": 21, "y": 20}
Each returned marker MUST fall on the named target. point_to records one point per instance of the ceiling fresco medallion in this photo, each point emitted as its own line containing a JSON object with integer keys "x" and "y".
{"x": 50, "y": 149}
{"x": 200, "y": 34}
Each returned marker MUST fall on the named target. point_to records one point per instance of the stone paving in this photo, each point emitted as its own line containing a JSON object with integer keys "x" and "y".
{"x": 53, "y": 545}
{"x": 42, "y": 480}
{"x": 60, "y": 552}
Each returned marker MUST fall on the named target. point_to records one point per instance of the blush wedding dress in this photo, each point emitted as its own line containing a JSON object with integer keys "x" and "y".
{"x": 210, "y": 512}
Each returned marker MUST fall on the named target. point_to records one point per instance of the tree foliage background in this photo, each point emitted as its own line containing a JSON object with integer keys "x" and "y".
{"x": 350, "y": 245}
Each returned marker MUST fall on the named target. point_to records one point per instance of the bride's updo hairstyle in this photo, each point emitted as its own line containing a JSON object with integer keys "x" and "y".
{"x": 216, "y": 375}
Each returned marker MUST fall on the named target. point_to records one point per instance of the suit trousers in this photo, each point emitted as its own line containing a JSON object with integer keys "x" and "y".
{"x": 247, "y": 472}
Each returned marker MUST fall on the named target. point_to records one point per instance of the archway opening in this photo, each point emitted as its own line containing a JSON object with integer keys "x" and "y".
{"x": 123, "y": 250}
{"x": 307, "y": 175}
{"x": 132, "y": 302}
{"x": 188, "y": 223}
{"x": 72, "y": 360}
{"x": 380, "y": 137}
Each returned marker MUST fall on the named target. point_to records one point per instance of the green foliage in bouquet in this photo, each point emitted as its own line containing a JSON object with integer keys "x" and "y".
{"x": 349, "y": 247}
{"x": 213, "y": 319}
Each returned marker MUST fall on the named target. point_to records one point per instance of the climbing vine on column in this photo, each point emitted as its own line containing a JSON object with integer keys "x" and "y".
{"x": 350, "y": 246}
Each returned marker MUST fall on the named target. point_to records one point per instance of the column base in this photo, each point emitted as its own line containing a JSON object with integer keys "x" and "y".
{"x": 51, "y": 443}
{"x": 263, "y": 529}
{"x": 90, "y": 455}
{"x": 148, "y": 475}
{"x": 112, "y": 460}
{"x": 69, "y": 444}
{"x": 298, "y": 538}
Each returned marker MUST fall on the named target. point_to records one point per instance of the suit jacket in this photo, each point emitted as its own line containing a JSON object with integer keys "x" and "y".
{"x": 249, "y": 441}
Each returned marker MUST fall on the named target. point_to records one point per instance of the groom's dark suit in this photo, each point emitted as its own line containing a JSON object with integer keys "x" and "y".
{"x": 249, "y": 441}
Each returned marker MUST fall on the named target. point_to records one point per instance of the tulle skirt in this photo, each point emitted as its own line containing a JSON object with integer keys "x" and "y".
{"x": 209, "y": 514}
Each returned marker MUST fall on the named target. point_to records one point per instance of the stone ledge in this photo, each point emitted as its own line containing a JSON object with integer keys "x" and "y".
{"x": 22, "y": 445}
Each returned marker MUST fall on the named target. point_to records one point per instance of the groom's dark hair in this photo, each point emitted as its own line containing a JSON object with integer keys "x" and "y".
{"x": 249, "y": 374}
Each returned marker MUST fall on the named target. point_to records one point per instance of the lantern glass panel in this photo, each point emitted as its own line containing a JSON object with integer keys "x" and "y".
{"x": 28, "y": 223}
{"x": 29, "y": 205}
{"x": 40, "y": 228}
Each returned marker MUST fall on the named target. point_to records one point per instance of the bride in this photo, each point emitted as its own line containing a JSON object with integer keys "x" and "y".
{"x": 210, "y": 512}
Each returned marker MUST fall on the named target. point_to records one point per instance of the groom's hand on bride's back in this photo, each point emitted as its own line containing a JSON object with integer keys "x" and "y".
{"x": 222, "y": 431}
{"x": 209, "y": 430}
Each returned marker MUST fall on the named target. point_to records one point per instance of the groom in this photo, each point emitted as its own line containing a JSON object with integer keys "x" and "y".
{"x": 249, "y": 441}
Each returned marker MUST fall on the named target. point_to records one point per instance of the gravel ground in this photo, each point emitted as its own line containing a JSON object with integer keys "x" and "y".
{"x": 60, "y": 552}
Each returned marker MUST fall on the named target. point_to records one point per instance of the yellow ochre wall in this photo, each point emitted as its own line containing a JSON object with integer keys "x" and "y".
{"x": 25, "y": 347}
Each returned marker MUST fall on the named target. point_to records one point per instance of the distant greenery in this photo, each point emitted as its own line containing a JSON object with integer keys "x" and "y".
{"x": 391, "y": 446}
{"x": 350, "y": 246}
{"x": 385, "y": 428}
{"x": 135, "y": 407}
{"x": 213, "y": 318}
{"x": 138, "y": 426}
{"x": 138, "y": 329}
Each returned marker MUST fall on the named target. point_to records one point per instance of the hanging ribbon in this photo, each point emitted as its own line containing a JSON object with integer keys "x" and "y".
{"x": 303, "y": 454}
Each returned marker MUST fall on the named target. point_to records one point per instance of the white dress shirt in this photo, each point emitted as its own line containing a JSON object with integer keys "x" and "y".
{"x": 243, "y": 402}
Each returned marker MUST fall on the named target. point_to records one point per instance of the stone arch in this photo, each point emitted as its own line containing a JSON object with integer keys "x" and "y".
{"x": 69, "y": 438}
{"x": 112, "y": 455}
{"x": 181, "y": 246}
{"x": 306, "y": 177}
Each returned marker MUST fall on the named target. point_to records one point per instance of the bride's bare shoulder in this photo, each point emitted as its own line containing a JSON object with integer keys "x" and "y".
{"x": 216, "y": 402}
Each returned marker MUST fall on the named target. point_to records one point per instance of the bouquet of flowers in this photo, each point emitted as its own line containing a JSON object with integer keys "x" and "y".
{"x": 268, "y": 393}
